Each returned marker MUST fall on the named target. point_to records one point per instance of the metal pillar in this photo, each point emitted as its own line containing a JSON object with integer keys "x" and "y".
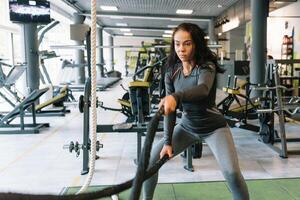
{"x": 30, "y": 56}
{"x": 259, "y": 13}
{"x": 211, "y": 32}
{"x": 79, "y": 54}
{"x": 86, "y": 128}
{"x": 100, "y": 58}
{"x": 111, "y": 53}
{"x": 12, "y": 50}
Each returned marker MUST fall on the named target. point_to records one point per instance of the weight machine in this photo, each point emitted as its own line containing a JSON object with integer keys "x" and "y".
{"x": 7, "y": 82}
{"x": 239, "y": 114}
{"x": 273, "y": 102}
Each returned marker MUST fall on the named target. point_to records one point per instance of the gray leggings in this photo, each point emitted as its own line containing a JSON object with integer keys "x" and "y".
{"x": 222, "y": 146}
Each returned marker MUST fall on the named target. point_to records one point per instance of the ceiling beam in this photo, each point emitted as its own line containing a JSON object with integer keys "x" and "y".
{"x": 151, "y": 16}
{"x": 143, "y": 36}
{"x": 154, "y": 29}
{"x": 73, "y": 4}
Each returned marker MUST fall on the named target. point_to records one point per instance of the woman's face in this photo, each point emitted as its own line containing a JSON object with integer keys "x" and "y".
{"x": 184, "y": 46}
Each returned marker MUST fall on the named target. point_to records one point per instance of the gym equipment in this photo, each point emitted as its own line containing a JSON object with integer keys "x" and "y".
{"x": 7, "y": 81}
{"x": 151, "y": 76}
{"x": 193, "y": 151}
{"x": 237, "y": 115}
{"x": 272, "y": 102}
{"x": 84, "y": 107}
{"x": 78, "y": 147}
{"x": 288, "y": 76}
{"x": 140, "y": 107}
{"x": 84, "y": 104}
{"x": 103, "y": 82}
{"x": 45, "y": 54}
{"x": 58, "y": 100}
{"x": 14, "y": 74}
{"x": 44, "y": 76}
{"x": 140, "y": 129}
{"x": 125, "y": 107}
{"x": 6, "y": 127}
{"x": 143, "y": 58}
{"x": 67, "y": 65}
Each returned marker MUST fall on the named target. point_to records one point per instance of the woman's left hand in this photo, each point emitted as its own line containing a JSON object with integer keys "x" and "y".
{"x": 169, "y": 104}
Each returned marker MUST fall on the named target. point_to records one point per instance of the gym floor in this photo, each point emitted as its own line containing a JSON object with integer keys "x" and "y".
{"x": 37, "y": 163}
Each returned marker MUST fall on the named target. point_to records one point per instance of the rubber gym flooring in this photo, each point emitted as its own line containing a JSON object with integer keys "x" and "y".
{"x": 276, "y": 189}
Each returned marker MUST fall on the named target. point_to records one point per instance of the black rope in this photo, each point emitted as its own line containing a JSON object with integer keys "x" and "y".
{"x": 144, "y": 160}
{"x": 141, "y": 175}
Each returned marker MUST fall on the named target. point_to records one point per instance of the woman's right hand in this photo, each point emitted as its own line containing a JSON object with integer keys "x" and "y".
{"x": 166, "y": 150}
{"x": 169, "y": 104}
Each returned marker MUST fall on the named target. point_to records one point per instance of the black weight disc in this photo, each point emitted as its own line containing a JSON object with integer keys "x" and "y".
{"x": 81, "y": 103}
{"x": 265, "y": 133}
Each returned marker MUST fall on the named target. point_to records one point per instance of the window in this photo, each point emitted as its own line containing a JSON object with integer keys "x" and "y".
{"x": 8, "y": 31}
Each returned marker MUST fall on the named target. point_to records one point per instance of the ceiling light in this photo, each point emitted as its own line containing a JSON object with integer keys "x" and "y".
{"x": 121, "y": 24}
{"x": 172, "y": 26}
{"x": 32, "y": 3}
{"x": 116, "y": 17}
{"x": 125, "y": 29}
{"x": 285, "y": 1}
{"x": 184, "y": 12}
{"x": 219, "y": 6}
{"x": 167, "y": 35}
{"x": 128, "y": 34}
{"x": 177, "y": 19}
{"x": 219, "y": 34}
{"x": 206, "y": 37}
{"x": 168, "y": 31}
{"x": 109, "y": 8}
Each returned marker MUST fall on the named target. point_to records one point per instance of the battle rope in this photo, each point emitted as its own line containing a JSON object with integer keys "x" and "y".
{"x": 141, "y": 175}
{"x": 144, "y": 160}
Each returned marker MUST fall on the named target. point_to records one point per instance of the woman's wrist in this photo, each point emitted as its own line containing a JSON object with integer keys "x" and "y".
{"x": 167, "y": 143}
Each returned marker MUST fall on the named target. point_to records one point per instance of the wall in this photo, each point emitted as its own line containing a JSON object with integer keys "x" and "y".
{"x": 277, "y": 29}
{"x": 237, "y": 42}
{"x": 238, "y": 14}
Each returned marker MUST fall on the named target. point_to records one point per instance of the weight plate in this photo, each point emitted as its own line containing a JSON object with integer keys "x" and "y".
{"x": 81, "y": 103}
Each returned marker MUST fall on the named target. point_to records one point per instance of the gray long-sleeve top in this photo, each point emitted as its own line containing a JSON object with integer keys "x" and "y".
{"x": 196, "y": 94}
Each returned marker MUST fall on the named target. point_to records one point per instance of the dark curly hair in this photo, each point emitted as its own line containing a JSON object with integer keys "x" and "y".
{"x": 202, "y": 53}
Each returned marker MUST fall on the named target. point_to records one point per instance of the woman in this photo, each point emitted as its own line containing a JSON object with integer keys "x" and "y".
{"x": 190, "y": 82}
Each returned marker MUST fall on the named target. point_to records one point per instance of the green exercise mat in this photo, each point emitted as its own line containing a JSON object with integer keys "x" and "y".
{"x": 271, "y": 189}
